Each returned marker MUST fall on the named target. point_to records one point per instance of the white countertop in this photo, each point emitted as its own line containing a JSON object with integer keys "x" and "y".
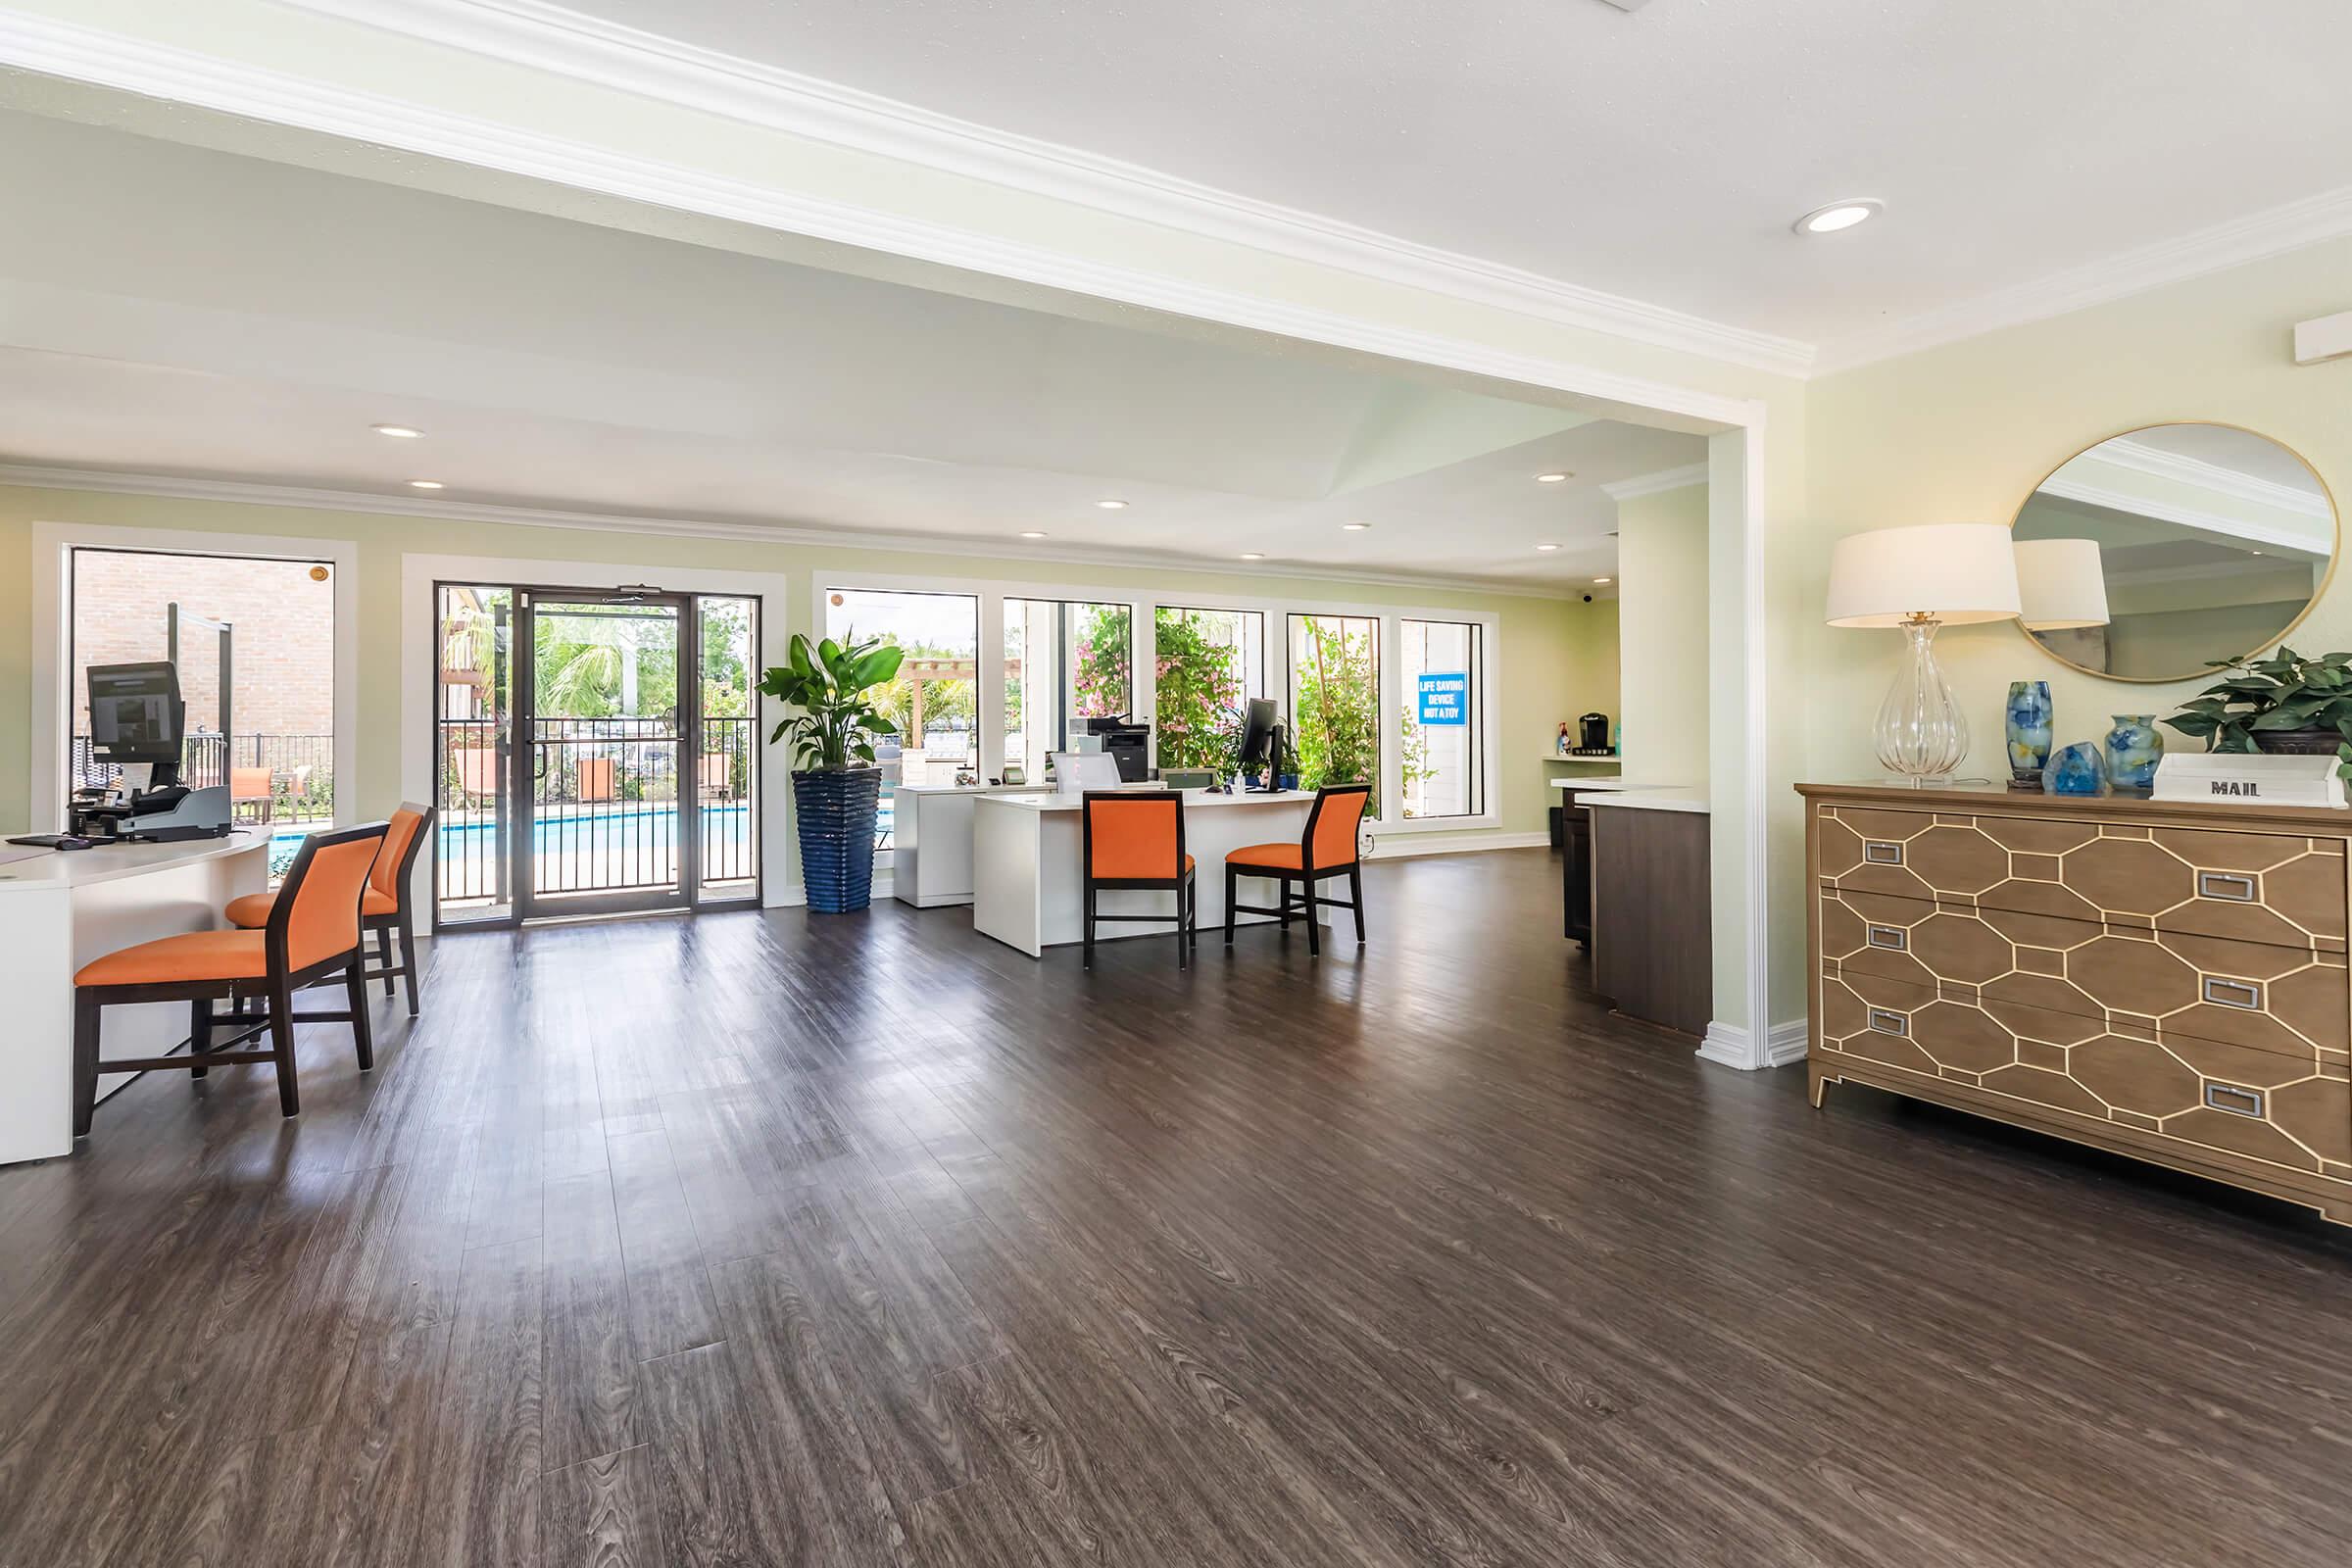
{"x": 959, "y": 789}
{"x": 25, "y": 866}
{"x": 1649, "y": 796}
{"x": 1048, "y": 801}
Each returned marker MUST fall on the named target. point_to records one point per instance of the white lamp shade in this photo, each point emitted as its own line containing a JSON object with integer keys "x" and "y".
{"x": 2061, "y": 583}
{"x": 1957, "y": 573}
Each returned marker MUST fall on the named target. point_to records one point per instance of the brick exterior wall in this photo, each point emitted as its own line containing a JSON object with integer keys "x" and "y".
{"x": 284, "y": 644}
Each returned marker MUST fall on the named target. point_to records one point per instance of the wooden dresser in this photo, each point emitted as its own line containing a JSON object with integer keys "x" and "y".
{"x": 2165, "y": 981}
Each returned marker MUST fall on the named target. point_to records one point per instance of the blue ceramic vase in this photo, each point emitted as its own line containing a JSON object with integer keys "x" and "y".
{"x": 2134, "y": 749}
{"x": 2029, "y": 715}
{"x": 2077, "y": 770}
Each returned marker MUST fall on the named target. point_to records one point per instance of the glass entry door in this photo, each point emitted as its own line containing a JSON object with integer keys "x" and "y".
{"x": 604, "y": 725}
{"x": 598, "y": 752}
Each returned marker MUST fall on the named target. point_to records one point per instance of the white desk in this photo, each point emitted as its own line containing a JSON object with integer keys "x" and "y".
{"x": 60, "y": 911}
{"x": 1027, "y": 886}
{"x": 931, "y": 841}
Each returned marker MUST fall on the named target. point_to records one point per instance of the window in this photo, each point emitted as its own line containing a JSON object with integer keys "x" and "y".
{"x": 254, "y": 643}
{"x": 1064, "y": 663}
{"x": 726, "y": 780}
{"x": 1441, "y": 731}
{"x": 1208, "y": 664}
{"x": 1334, "y": 700}
{"x": 935, "y": 699}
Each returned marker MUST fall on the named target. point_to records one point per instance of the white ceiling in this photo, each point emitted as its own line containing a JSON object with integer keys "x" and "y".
{"x": 167, "y": 308}
{"x": 1659, "y": 155}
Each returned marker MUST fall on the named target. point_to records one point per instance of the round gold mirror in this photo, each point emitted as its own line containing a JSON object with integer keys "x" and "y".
{"x": 2160, "y": 549}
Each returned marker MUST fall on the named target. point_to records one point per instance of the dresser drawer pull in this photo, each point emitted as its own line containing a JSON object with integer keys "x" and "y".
{"x": 2234, "y": 993}
{"x": 2233, "y": 1100}
{"x": 1886, "y": 1021}
{"x": 2226, "y": 885}
{"x": 1881, "y": 851}
{"x": 1894, "y": 938}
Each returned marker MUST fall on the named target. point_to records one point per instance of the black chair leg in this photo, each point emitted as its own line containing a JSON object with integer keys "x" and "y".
{"x": 1233, "y": 883}
{"x": 1356, "y": 891}
{"x": 408, "y": 958}
{"x": 1191, "y": 912}
{"x": 1087, "y": 961}
{"x": 1314, "y": 924}
{"x": 383, "y": 955}
{"x": 361, "y": 1035}
{"x": 86, "y": 1061}
{"x": 200, "y": 1034}
{"x": 281, "y": 1045}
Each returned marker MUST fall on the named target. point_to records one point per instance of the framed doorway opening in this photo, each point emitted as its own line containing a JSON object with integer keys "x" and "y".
{"x": 593, "y": 752}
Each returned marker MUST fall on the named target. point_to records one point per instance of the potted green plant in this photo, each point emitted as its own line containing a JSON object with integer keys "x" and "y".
{"x": 2285, "y": 703}
{"x": 836, "y": 786}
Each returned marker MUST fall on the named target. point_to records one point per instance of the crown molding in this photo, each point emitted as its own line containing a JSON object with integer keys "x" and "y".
{"x": 1650, "y": 484}
{"x": 77, "y": 53}
{"x": 2134, "y": 504}
{"x": 247, "y": 492}
{"x": 562, "y": 42}
{"x": 2140, "y": 457}
{"x": 2312, "y": 221}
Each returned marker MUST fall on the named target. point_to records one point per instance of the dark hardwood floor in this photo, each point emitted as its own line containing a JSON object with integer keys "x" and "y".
{"x": 794, "y": 1239}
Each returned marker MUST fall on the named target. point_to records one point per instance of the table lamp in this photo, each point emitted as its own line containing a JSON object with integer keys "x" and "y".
{"x": 1918, "y": 579}
{"x": 2061, "y": 584}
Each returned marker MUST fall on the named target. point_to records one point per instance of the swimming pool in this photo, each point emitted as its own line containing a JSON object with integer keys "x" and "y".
{"x": 577, "y": 846}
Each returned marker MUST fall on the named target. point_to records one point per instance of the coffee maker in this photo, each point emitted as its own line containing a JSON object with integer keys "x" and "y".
{"x": 1593, "y": 733}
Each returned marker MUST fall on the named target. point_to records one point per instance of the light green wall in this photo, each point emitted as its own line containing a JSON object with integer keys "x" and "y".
{"x": 1554, "y": 653}
{"x": 1963, "y": 433}
{"x": 1662, "y": 634}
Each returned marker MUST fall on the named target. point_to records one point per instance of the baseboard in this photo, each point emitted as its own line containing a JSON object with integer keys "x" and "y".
{"x": 1399, "y": 845}
{"x": 1730, "y": 1045}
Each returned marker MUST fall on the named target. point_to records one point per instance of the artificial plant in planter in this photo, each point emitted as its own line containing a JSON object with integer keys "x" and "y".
{"x": 2284, "y": 703}
{"x": 836, "y": 786}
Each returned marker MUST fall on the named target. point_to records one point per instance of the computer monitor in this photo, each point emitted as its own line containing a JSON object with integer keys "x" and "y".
{"x": 1258, "y": 733}
{"x": 136, "y": 715}
{"x": 1075, "y": 772}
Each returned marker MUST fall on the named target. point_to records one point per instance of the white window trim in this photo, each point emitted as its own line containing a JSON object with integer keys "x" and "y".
{"x": 1144, "y": 609}
{"x": 53, "y": 547}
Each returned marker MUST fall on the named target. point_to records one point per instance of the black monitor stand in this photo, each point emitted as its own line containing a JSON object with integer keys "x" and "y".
{"x": 1274, "y": 751}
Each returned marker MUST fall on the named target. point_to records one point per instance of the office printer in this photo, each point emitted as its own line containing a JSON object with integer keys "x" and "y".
{"x": 1129, "y": 744}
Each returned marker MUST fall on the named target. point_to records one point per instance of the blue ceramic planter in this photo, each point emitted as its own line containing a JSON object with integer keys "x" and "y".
{"x": 2134, "y": 749}
{"x": 836, "y": 812}
{"x": 2077, "y": 770}
{"x": 2029, "y": 717}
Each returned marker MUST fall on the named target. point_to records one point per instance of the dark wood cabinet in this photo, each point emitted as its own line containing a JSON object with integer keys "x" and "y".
{"x": 1574, "y": 840}
{"x": 1652, "y": 941}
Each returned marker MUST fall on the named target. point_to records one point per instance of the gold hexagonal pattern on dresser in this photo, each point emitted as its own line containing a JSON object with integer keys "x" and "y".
{"x": 2185, "y": 981}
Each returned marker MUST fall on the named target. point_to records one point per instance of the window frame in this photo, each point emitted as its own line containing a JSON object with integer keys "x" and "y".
{"x": 1143, "y": 607}
{"x": 1481, "y": 782}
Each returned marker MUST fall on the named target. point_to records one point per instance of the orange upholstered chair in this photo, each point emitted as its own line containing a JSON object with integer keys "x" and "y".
{"x": 1134, "y": 839}
{"x": 313, "y": 932}
{"x": 383, "y": 907}
{"x": 1328, "y": 848}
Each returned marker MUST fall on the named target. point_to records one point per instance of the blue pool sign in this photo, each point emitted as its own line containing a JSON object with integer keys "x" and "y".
{"x": 1445, "y": 699}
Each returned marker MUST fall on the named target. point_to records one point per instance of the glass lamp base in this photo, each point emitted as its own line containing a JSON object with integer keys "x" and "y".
{"x": 1921, "y": 732}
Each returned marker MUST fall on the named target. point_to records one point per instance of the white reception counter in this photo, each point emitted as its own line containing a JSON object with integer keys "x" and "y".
{"x": 58, "y": 912}
{"x": 1026, "y": 875}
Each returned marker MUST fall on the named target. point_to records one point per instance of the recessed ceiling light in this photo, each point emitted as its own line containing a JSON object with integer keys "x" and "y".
{"x": 1109, "y": 504}
{"x": 426, "y": 484}
{"x": 1253, "y": 555}
{"x": 1839, "y": 215}
{"x": 1355, "y": 527}
{"x": 402, "y": 433}
{"x": 1031, "y": 533}
{"x": 1598, "y": 580}
{"x": 1552, "y": 478}
{"x": 1548, "y": 546}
